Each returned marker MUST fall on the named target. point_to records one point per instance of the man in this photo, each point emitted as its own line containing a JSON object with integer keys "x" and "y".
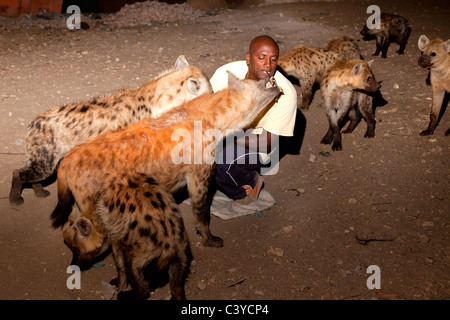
{"x": 236, "y": 178}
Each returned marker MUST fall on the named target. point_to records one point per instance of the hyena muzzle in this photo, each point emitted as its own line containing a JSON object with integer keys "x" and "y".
{"x": 54, "y": 132}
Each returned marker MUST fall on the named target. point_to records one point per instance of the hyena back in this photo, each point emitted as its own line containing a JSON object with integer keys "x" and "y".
{"x": 148, "y": 147}
{"x": 146, "y": 233}
{"x": 393, "y": 28}
{"x": 54, "y": 132}
{"x": 308, "y": 64}
{"x": 338, "y": 90}
{"x": 435, "y": 55}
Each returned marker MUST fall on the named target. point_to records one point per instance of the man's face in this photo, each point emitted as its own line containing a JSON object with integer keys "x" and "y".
{"x": 262, "y": 60}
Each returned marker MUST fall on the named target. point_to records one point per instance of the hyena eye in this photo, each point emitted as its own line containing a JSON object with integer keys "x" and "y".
{"x": 369, "y": 78}
{"x": 433, "y": 54}
{"x": 422, "y": 53}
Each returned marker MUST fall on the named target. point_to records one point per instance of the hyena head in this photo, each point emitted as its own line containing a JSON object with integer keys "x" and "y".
{"x": 174, "y": 88}
{"x": 247, "y": 99}
{"x": 362, "y": 76}
{"x": 432, "y": 52}
{"x": 85, "y": 242}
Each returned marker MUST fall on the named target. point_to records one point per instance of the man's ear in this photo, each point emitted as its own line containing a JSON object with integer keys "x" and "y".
{"x": 247, "y": 58}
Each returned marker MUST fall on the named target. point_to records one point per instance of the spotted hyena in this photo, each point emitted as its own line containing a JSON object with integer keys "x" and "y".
{"x": 367, "y": 101}
{"x": 338, "y": 90}
{"x": 308, "y": 64}
{"x": 53, "y": 133}
{"x": 153, "y": 148}
{"x": 393, "y": 28}
{"x": 435, "y": 56}
{"x": 146, "y": 233}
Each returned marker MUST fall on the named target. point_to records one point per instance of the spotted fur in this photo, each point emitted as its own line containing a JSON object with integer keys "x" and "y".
{"x": 308, "y": 64}
{"x": 141, "y": 223}
{"x": 53, "y": 133}
{"x": 393, "y": 28}
{"x": 153, "y": 148}
{"x": 338, "y": 90}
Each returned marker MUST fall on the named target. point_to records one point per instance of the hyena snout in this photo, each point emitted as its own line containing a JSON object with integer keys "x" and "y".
{"x": 424, "y": 61}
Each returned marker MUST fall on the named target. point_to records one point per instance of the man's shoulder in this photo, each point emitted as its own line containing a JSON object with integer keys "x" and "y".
{"x": 236, "y": 67}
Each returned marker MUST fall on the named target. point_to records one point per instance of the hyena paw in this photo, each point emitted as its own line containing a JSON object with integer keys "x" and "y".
{"x": 427, "y": 132}
{"x": 39, "y": 191}
{"x": 337, "y": 146}
{"x": 213, "y": 241}
{"x": 326, "y": 140}
{"x": 16, "y": 200}
{"x": 369, "y": 134}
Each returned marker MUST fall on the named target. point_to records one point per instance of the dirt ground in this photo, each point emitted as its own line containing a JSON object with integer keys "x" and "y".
{"x": 393, "y": 190}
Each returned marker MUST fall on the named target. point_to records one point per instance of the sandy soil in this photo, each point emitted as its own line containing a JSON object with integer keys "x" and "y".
{"x": 392, "y": 189}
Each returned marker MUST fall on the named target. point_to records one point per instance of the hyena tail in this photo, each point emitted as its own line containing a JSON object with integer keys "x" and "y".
{"x": 61, "y": 213}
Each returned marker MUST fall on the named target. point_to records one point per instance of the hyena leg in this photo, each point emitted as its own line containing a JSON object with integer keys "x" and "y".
{"x": 366, "y": 109}
{"x": 121, "y": 281}
{"x": 438, "y": 100}
{"x": 385, "y": 48}
{"x": 354, "y": 119}
{"x": 328, "y": 137}
{"x": 28, "y": 174}
{"x": 177, "y": 275}
{"x": 379, "y": 40}
{"x": 403, "y": 41}
{"x": 306, "y": 90}
{"x": 335, "y": 117}
{"x": 136, "y": 277}
{"x": 198, "y": 184}
{"x": 39, "y": 190}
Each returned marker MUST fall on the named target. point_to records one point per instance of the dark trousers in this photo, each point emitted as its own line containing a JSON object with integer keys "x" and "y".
{"x": 236, "y": 167}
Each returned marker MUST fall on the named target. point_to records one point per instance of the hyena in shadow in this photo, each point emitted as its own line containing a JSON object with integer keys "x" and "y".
{"x": 146, "y": 234}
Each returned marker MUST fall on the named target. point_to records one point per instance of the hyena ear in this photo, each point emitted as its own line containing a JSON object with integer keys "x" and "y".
{"x": 232, "y": 79}
{"x": 193, "y": 85}
{"x": 357, "y": 69}
{"x": 84, "y": 226}
{"x": 181, "y": 62}
{"x": 369, "y": 63}
{"x": 423, "y": 41}
{"x": 446, "y": 45}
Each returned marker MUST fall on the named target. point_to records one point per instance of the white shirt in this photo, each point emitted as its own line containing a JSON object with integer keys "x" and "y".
{"x": 280, "y": 119}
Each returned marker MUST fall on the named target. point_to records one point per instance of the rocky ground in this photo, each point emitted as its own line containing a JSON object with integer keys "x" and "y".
{"x": 381, "y": 201}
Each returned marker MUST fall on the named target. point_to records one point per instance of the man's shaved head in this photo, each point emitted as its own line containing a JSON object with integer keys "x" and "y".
{"x": 263, "y": 39}
{"x": 262, "y": 57}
